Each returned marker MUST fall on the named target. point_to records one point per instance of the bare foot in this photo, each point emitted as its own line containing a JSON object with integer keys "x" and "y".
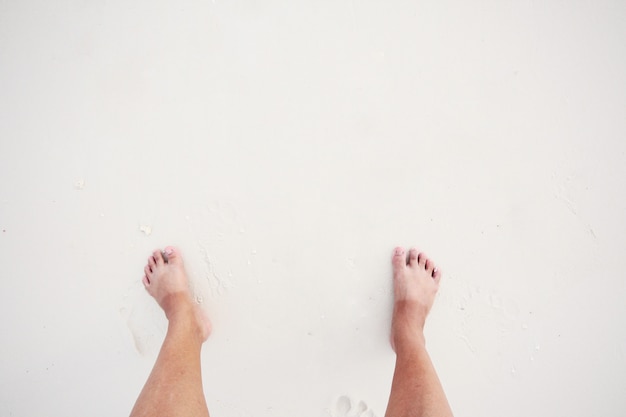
{"x": 165, "y": 279}
{"x": 415, "y": 284}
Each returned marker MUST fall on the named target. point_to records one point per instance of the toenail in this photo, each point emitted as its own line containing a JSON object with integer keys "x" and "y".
{"x": 169, "y": 251}
{"x": 399, "y": 251}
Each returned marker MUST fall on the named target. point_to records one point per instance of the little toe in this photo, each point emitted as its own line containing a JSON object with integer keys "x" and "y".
{"x": 146, "y": 281}
{"x": 399, "y": 259}
{"x": 412, "y": 257}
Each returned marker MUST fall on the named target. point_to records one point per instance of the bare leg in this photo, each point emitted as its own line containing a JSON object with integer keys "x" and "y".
{"x": 174, "y": 387}
{"x": 415, "y": 390}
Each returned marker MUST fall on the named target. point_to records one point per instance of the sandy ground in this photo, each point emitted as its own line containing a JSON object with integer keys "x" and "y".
{"x": 286, "y": 147}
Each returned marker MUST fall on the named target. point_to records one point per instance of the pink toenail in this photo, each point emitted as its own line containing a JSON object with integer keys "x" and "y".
{"x": 399, "y": 251}
{"x": 169, "y": 251}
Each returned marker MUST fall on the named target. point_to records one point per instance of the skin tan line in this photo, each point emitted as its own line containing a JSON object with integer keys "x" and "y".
{"x": 174, "y": 387}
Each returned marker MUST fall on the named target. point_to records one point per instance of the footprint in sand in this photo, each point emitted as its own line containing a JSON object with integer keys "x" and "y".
{"x": 344, "y": 407}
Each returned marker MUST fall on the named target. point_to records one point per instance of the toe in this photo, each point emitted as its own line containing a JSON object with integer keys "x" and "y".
{"x": 146, "y": 281}
{"x": 412, "y": 257}
{"x": 158, "y": 257}
{"x": 151, "y": 262}
{"x": 147, "y": 270}
{"x": 399, "y": 259}
{"x": 430, "y": 266}
{"x": 421, "y": 260}
{"x": 437, "y": 275}
{"x": 173, "y": 255}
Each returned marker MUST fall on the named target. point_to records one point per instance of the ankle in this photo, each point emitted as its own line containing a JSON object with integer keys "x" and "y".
{"x": 177, "y": 305}
{"x": 409, "y": 345}
{"x": 184, "y": 320}
{"x": 408, "y": 326}
{"x": 409, "y": 318}
{"x": 407, "y": 333}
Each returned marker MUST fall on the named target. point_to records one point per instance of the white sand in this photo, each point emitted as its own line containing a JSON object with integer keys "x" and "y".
{"x": 286, "y": 148}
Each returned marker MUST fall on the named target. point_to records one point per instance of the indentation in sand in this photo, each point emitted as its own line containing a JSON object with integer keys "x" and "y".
{"x": 79, "y": 184}
{"x": 344, "y": 406}
{"x": 144, "y": 319}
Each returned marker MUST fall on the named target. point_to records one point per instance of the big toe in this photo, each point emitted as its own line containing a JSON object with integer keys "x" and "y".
{"x": 172, "y": 255}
